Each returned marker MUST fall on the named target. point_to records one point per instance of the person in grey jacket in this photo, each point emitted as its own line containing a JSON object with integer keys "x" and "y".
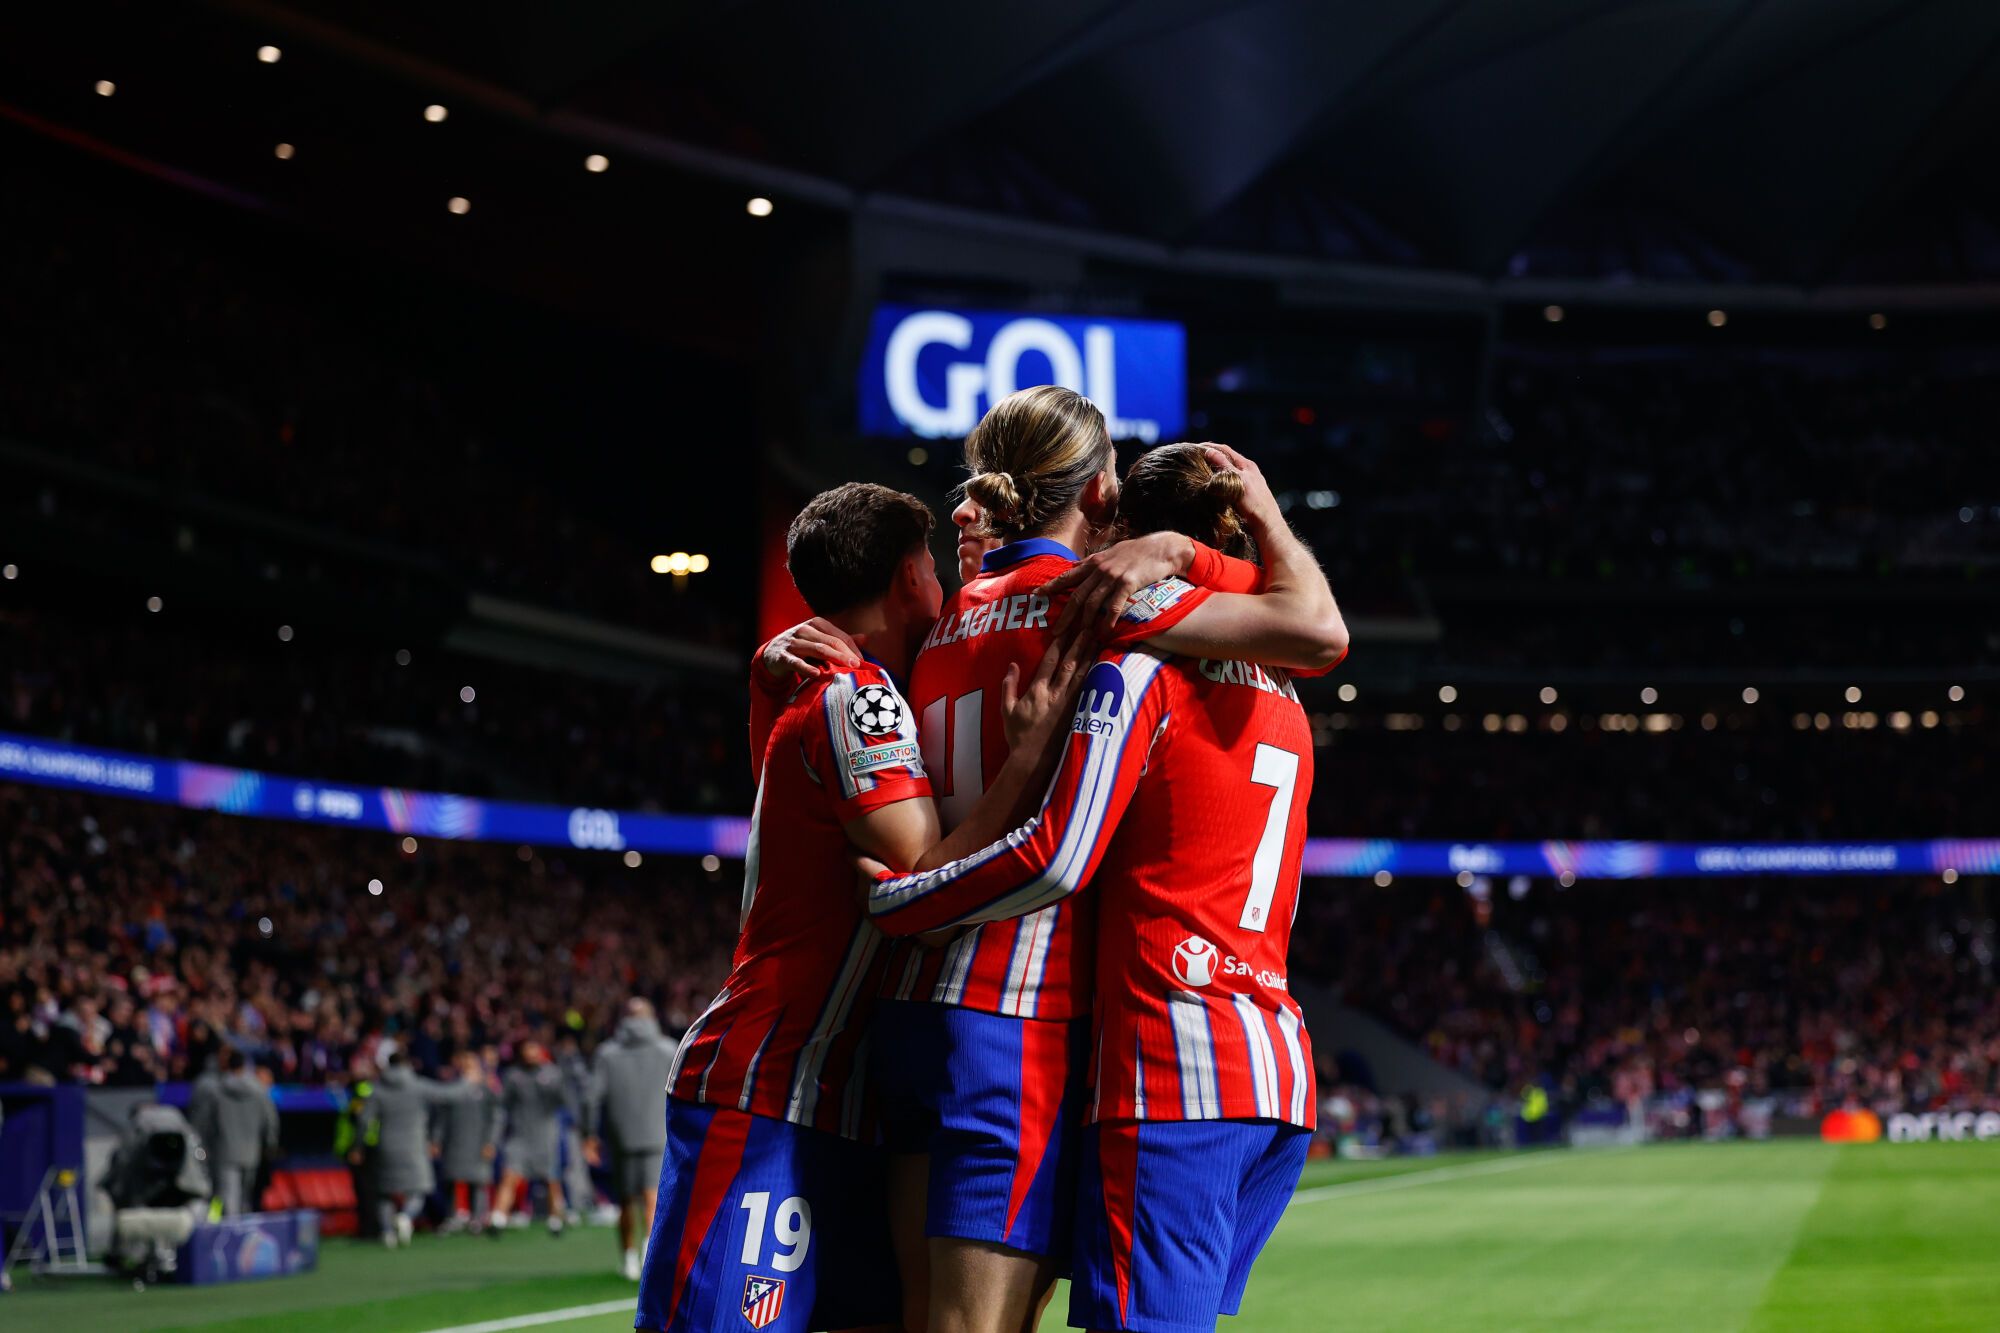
{"x": 533, "y": 1097}
{"x": 238, "y": 1124}
{"x": 401, "y": 1111}
{"x": 465, "y": 1122}
{"x": 628, "y": 1093}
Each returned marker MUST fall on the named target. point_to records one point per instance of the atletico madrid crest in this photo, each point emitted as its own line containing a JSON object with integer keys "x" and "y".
{"x": 763, "y": 1298}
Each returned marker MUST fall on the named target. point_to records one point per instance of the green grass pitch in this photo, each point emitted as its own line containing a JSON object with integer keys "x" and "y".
{"x": 1778, "y": 1236}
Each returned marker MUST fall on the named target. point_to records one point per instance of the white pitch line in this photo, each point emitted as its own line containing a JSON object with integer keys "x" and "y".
{"x": 1410, "y": 1179}
{"x": 546, "y": 1317}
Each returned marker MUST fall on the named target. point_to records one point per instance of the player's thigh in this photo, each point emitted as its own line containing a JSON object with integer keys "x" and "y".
{"x": 983, "y": 1287}
{"x": 1156, "y": 1217}
{"x": 909, "y": 1182}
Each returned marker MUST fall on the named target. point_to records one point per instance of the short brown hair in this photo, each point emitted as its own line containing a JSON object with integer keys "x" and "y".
{"x": 844, "y": 546}
{"x": 1031, "y": 455}
{"x": 1176, "y": 488}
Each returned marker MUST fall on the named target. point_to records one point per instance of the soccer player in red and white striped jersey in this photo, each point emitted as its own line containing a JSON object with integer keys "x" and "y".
{"x": 769, "y": 1198}
{"x": 1181, "y": 801}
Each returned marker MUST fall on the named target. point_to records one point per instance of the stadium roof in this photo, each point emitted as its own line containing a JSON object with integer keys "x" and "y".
{"x": 1790, "y": 141}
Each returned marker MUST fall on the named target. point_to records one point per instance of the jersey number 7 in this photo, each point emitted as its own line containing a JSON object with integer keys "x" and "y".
{"x": 1278, "y": 769}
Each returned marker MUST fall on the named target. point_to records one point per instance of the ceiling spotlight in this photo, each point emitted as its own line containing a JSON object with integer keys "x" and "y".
{"x": 697, "y": 563}
{"x": 660, "y": 564}
{"x": 435, "y": 114}
{"x": 1878, "y": 320}
{"x": 1649, "y": 695}
{"x": 1447, "y": 694}
{"x": 284, "y": 634}
{"x": 1717, "y": 318}
{"x": 1348, "y": 692}
{"x": 106, "y": 87}
{"x": 1383, "y": 879}
{"x": 270, "y": 55}
{"x": 711, "y": 863}
{"x": 1950, "y": 875}
{"x": 919, "y": 455}
{"x": 154, "y": 604}
{"x": 284, "y": 152}
{"x": 1750, "y": 694}
{"x": 596, "y": 162}
{"x": 1552, "y": 313}
{"x": 632, "y": 859}
{"x": 759, "y": 207}
{"x": 410, "y": 846}
{"x": 1548, "y": 694}
{"x": 402, "y": 657}
{"x": 375, "y": 887}
{"x": 466, "y": 694}
{"x": 458, "y": 203}
{"x": 1956, "y": 693}
{"x": 1854, "y": 694}
{"x": 10, "y": 572}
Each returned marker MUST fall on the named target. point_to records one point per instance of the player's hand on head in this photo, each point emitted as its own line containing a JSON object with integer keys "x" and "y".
{"x": 1100, "y": 585}
{"x": 809, "y": 647}
{"x": 1259, "y": 506}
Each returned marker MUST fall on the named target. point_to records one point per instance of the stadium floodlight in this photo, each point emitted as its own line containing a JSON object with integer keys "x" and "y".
{"x": 1447, "y": 694}
{"x": 269, "y": 55}
{"x": 1950, "y": 875}
{"x": 759, "y": 207}
{"x": 458, "y": 204}
{"x": 1649, "y": 695}
{"x": 711, "y": 863}
{"x": 1717, "y": 318}
{"x": 409, "y": 846}
{"x": 106, "y": 87}
{"x": 1552, "y": 313}
{"x": 1878, "y": 321}
{"x": 1548, "y": 694}
{"x": 596, "y": 162}
{"x": 1854, "y": 694}
{"x": 1383, "y": 879}
{"x": 466, "y": 694}
{"x": 375, "y": 888}
{"x": 633, "y": 859}
{"x": 697, "y": 563}
{"x": 284, "y": 634}
{"x": 435, "y": 114}
{"x": 402, "y": 657}
{"x": 154, "y": 604}
{"x": 1348, "y": 692}
{"x": 10, "y": 572}
{"x": 1749, "y": 694}
{"x": 284, "y": 152}
{"x": 1956, "y": 694}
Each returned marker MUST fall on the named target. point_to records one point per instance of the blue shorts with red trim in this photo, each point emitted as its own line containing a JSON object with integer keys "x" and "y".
{"x": 997, "y": 1103}
{"x": 1163, "y": 1241}
{"x": 762, "y": 1224}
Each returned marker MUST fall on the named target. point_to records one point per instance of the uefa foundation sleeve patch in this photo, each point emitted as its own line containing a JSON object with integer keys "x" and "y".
{"x": 1155, "y": 600}
{"x": 894, "y": 754}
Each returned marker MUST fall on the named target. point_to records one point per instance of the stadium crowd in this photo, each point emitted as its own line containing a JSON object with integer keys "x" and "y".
{"x": 136, "y": 941}
{"x": 1812, "y": 992}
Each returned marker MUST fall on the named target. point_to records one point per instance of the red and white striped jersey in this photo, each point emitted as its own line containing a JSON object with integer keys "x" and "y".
{"x": 1181, "y": 800}
{"x": 1037, "y": 966}
{"x": 781, "y": 1037}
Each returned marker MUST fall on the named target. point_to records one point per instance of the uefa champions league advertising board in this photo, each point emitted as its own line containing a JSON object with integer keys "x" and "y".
{"x": 933, "y": 373}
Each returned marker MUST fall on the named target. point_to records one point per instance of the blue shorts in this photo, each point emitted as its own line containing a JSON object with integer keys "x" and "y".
{"x": 1163, "y": 1243}
{"x": 763, "y": 1224}
{"x": 997, "y": 1103}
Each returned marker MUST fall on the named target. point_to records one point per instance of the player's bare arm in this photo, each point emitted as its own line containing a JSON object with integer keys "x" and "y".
{"x": 1295, "y": 622}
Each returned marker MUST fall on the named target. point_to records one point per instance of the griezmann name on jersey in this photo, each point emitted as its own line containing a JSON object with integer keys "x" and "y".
{"x": 1181, "y": 802}
{"x": 781, "y": 1037}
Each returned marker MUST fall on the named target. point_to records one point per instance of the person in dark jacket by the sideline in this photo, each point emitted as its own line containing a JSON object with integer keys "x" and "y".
{"x": 628, "y": 1091}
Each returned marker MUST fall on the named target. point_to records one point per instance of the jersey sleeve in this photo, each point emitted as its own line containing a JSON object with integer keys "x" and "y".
{"x": 1155, "y": 609}
{"x": 1213, "y": 570}
{"x": 862, "y": 749}
{"x": 1118, "y": 719}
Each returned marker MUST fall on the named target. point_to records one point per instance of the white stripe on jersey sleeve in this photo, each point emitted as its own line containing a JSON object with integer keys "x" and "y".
{"x": 750, "y": 1070}
{"x": 753, "y": 859}
{"x": 1288, "y": 1026}
{"x": 694, "y": 1031}
{"x": 1194, "y": 1049}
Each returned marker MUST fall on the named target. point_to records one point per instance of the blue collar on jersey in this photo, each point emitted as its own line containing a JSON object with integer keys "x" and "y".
{"x": 1027, "y": 549}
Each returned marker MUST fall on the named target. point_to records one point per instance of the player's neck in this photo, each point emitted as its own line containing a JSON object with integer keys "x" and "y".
{"x": 884, "y": 633}
{"x": 1072, "y": 530}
